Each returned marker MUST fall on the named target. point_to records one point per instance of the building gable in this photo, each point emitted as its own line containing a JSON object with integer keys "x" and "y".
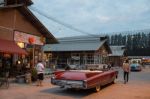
{"x": 22, "y": 23}
{"x": 24, "y": 19}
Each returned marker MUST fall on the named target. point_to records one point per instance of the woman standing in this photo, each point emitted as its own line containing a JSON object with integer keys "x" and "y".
{"x": 126, "y": 69}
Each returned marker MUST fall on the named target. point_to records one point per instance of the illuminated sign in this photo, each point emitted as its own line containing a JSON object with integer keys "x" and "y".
{"x": 27, "y": 38}
{"x": 21, "y": 45}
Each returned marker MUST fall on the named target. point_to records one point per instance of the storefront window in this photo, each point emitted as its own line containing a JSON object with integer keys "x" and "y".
{"x": 75, "y": 59}
{"x": 90, "y": 59}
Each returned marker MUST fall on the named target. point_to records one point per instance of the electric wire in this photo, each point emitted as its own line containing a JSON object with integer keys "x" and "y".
{"x": 60, "y": 22}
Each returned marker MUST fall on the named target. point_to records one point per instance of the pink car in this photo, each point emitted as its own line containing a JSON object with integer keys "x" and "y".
{"x": 83, "y": 79}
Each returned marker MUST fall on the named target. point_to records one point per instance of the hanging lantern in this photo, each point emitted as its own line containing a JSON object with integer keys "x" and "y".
{"x": 31, "y": 40}
{"x": 42, "y": 39}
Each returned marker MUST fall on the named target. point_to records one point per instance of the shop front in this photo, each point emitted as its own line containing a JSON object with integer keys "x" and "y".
{"x": 33, "y": 45}
{"x": 7, "y": 51}
{"x": 22, "y": 54}
{"x": 22, "y": 37}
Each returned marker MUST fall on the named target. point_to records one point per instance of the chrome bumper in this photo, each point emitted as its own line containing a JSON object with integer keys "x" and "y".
{"x": 68, "y": 83}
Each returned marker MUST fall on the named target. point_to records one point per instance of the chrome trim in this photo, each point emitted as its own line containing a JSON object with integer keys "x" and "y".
{"x": 68, "y": 83}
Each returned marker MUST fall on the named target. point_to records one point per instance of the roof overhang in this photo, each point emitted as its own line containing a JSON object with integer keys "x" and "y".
{"x": 50, "y": 39}
{"x": 11, "y": 47}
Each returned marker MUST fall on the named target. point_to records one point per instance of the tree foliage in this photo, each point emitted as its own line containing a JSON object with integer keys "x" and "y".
{"x": 137, "y": 44}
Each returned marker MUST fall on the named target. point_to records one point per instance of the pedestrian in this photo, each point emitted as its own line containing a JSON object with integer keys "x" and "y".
{"x": 40, "y": 72}
{"x": 126, "y": 70}
{"x": 112, "y": 64}
{"x": 109, "y": 65}
{"x": 53, "y": 66}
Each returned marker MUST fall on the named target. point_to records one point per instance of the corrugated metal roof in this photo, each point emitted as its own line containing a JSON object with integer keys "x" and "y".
{"x": 75, "y": 45}
{"x": 117, "y": 50}
{"x": 81, "y": 38}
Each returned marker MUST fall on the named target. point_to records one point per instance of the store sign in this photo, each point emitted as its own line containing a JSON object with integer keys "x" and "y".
{"x": 28, "y": 38}
{"x": 75, "y": 57}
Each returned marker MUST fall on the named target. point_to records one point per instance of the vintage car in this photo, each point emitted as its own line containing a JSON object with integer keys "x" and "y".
{"x": 83, "y": 79}
{"x": 135, "y": 67}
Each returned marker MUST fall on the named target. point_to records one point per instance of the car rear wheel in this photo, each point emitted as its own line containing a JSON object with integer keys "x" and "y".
{"x": 97, "y": 88}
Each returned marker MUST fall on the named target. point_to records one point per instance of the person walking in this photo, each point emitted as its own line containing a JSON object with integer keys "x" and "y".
{"x": 126, "y": 70}
{"x": 109, "y": 65}
{"x": 40, "y": 71}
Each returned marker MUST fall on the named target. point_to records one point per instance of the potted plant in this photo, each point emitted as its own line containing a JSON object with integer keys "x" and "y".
{"x": 33, "y": 74}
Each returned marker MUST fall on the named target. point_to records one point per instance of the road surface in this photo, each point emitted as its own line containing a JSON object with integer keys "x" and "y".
{"x": 138, "y": 87}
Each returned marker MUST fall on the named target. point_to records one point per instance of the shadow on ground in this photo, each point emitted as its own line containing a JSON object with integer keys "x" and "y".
{"x": 74, "y": 93}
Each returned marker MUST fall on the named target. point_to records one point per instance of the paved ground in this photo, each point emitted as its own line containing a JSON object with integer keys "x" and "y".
{"x": 137, "y": 88}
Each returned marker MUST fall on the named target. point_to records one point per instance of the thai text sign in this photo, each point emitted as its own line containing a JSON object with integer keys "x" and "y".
{"x": 27, "y": 38}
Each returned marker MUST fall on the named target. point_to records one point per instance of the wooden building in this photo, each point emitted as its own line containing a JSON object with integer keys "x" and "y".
{"x": 78, "y": 51}
{"x": 117, "y": 56}
{"x": 22, "y": 35}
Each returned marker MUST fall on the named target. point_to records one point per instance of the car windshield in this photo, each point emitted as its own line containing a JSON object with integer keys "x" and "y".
{"x": 61, "y": 66}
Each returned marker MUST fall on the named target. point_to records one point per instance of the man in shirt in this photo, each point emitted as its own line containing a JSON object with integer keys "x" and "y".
{"x": 40, "y": 72}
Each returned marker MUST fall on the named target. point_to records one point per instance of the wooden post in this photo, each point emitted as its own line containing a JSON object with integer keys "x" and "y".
{"x": 33, "y": 50}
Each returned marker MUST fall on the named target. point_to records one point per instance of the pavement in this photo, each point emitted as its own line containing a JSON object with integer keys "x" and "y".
{"x": 24, "y": 91}
{"x": 138, "y": 87}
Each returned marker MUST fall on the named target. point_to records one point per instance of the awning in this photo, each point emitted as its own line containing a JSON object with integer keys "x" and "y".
{"x": 10, "y": 47}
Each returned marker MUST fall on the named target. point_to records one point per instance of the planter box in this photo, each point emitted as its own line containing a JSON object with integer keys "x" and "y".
{"x": 20, "y": 79}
